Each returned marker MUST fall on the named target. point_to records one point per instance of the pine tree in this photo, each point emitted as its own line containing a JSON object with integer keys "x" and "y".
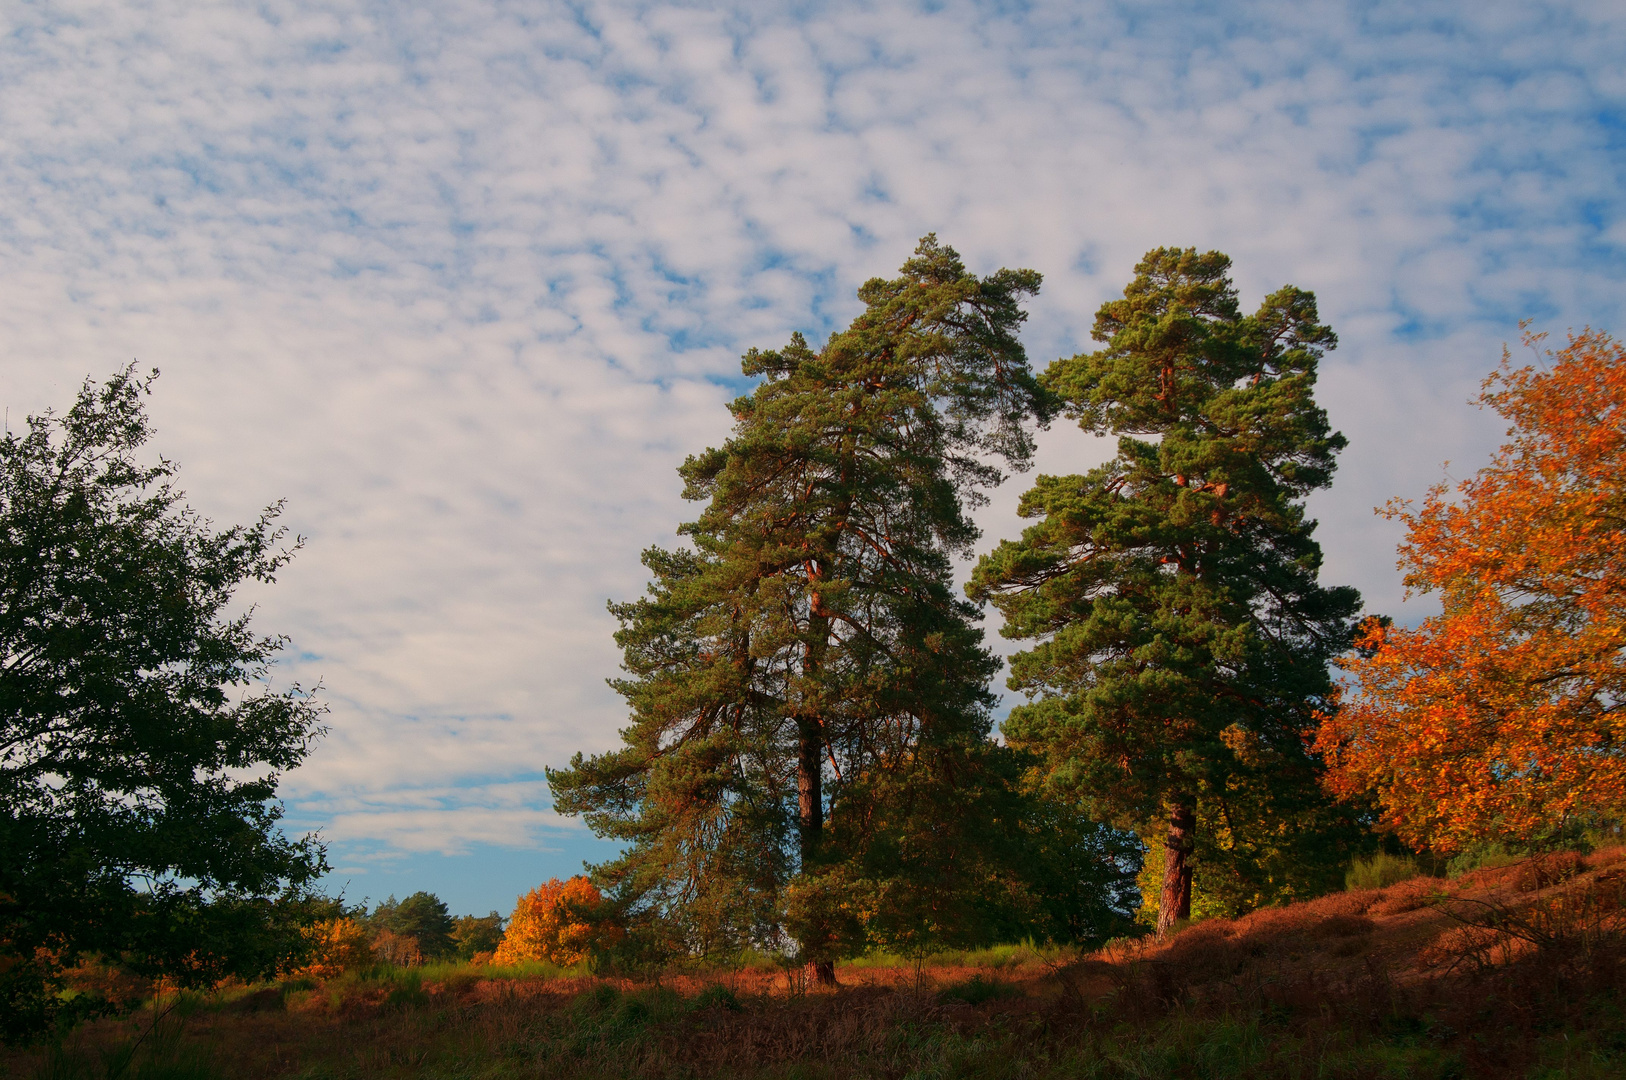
{"x": 1183, "y": 637}
{"x": 810, "y": 640}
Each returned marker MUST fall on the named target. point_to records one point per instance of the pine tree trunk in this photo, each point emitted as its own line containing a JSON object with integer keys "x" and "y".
{"x": 1175, "y": 901}
{"x": 810, "y": 814}
{"x": 809, "y": 787}
{"x": 810, "y": 774}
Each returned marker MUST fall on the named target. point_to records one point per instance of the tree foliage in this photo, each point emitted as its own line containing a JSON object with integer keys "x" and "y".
{"x": 1502, "y": 717}
{"x": 560, "y": 921}
{"x": 810, "y": 643}
{"x": 421, "y": 919}
{"x": 1183, "y": 636}
{"x": 140, "y": 748}
{"x": 336, "y": 945}
{"x": 476, "y": 935}
{"x": 963, "y": 850}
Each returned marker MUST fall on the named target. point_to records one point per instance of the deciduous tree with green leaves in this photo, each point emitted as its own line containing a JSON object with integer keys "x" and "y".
{"x": 140, "y": 746}
{"x": 810, "y": 641}
{"x": 476, "y": 934}
{"x": 1183, "y": 636}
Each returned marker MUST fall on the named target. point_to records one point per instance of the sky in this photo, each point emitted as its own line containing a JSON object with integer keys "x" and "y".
{"x": 464, "y": 281}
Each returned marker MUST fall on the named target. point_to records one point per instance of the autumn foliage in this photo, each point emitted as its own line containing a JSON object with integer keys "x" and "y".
{"x": 1502, "y": 716}
{"x": 336, "y": 946}
{"x": 556, "y": 922}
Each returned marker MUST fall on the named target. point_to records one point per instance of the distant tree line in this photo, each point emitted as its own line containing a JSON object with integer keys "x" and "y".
{"x": 419, "y": 929}
{"x": 563, "y": 923}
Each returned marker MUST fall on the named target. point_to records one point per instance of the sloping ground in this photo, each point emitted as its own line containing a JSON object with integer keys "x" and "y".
{"x": 1513, "y": 972}
{"x": 1559, "y": 909}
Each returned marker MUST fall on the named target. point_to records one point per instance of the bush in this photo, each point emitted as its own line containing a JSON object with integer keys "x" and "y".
{"x": 976, "y": 990}
{"x": 408, "y": 992}
{"x": 560, "y": 922}
{"x": 336, "y": 946}
{"x": 716, "y": 996}
{"x": 1380, "y": 871}
{"x": 1485, "y": 856}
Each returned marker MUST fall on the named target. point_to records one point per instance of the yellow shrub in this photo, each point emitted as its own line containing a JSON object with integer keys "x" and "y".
{"x": 554, "y": 922}
{"x": 337, "y": 944}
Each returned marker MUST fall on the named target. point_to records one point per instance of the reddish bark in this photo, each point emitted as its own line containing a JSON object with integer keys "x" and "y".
{"x": 1175, "y": 901}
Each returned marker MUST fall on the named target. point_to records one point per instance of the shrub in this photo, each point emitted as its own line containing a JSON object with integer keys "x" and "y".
{"x": 407, "y": 993}
{"x": 336, "y": 946}
{"x": 97, "y": 979}
{"x": 1544, "y": 871}
{"x": 717, "y": 996}
{"x": 561, "y": 922}
{"x": 1380, "y": 871}
{"x": 1485, "y": 856}
{"x": 976, "y": 990}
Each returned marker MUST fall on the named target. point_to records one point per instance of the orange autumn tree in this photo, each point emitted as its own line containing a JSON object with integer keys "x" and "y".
{"x": 1502, "y": 717}
{"x": 555, "y": 922}
{"x": 336, "y": 946}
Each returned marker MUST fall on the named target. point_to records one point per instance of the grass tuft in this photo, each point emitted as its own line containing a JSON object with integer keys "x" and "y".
{"x": 1380, "y": 871}
{"x": 976, "y": 990}
{"x": 717, "y": 996}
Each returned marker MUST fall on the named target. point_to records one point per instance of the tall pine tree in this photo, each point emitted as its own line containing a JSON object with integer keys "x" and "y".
{"x": 809, "y": 644}
{"x": 1183, "y": 637}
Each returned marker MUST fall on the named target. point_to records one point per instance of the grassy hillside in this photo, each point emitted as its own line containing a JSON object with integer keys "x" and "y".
{"x": 1508, "y": 972}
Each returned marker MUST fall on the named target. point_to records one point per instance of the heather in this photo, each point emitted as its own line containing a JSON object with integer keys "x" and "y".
{"x": 1510, "y": 971}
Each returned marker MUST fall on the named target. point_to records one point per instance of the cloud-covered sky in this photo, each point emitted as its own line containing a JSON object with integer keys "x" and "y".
{"x": 464, "y": 281}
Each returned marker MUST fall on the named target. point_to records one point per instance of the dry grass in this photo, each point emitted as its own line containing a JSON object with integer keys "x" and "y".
{"x": 1513, "y": 971}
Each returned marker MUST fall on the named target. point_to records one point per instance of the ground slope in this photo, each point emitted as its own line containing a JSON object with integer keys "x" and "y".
{"x": 1508, "y": 972}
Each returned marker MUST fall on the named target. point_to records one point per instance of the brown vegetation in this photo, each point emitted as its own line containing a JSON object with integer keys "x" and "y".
{"x": 1499, "y": 973}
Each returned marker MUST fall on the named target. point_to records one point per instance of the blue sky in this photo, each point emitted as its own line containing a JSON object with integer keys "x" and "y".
{"x": 464, "y": 281}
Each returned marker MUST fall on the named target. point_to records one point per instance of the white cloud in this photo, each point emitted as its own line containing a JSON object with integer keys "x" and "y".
{"x": 379, "y": 827}
{"x": 465, "y": 280}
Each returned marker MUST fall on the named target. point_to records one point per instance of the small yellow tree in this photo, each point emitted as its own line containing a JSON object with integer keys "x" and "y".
{"x": 336, "y": 945}
{"x": 554, "y": 922}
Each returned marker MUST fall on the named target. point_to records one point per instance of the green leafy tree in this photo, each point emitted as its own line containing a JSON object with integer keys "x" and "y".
{"x": 964, "y": 850}
{"x": 140, "y": 748}
{"x": 475, "y": 934}
{"x": 421, "y": 918}
{"x": 810, "y": 641}
{"x": 1261, "y": 838}
{"x": 1183, "y": 636}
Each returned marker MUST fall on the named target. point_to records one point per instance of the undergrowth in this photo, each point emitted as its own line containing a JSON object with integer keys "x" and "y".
{"x": 1500, "y": 973}
{"x": 994, "y": 956}
{"x": 985, "y": 1027}
{"x": 1380, "y": 871}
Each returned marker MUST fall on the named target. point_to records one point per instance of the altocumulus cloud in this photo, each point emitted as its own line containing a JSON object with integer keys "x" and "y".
{"x": 465, "y": 280}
